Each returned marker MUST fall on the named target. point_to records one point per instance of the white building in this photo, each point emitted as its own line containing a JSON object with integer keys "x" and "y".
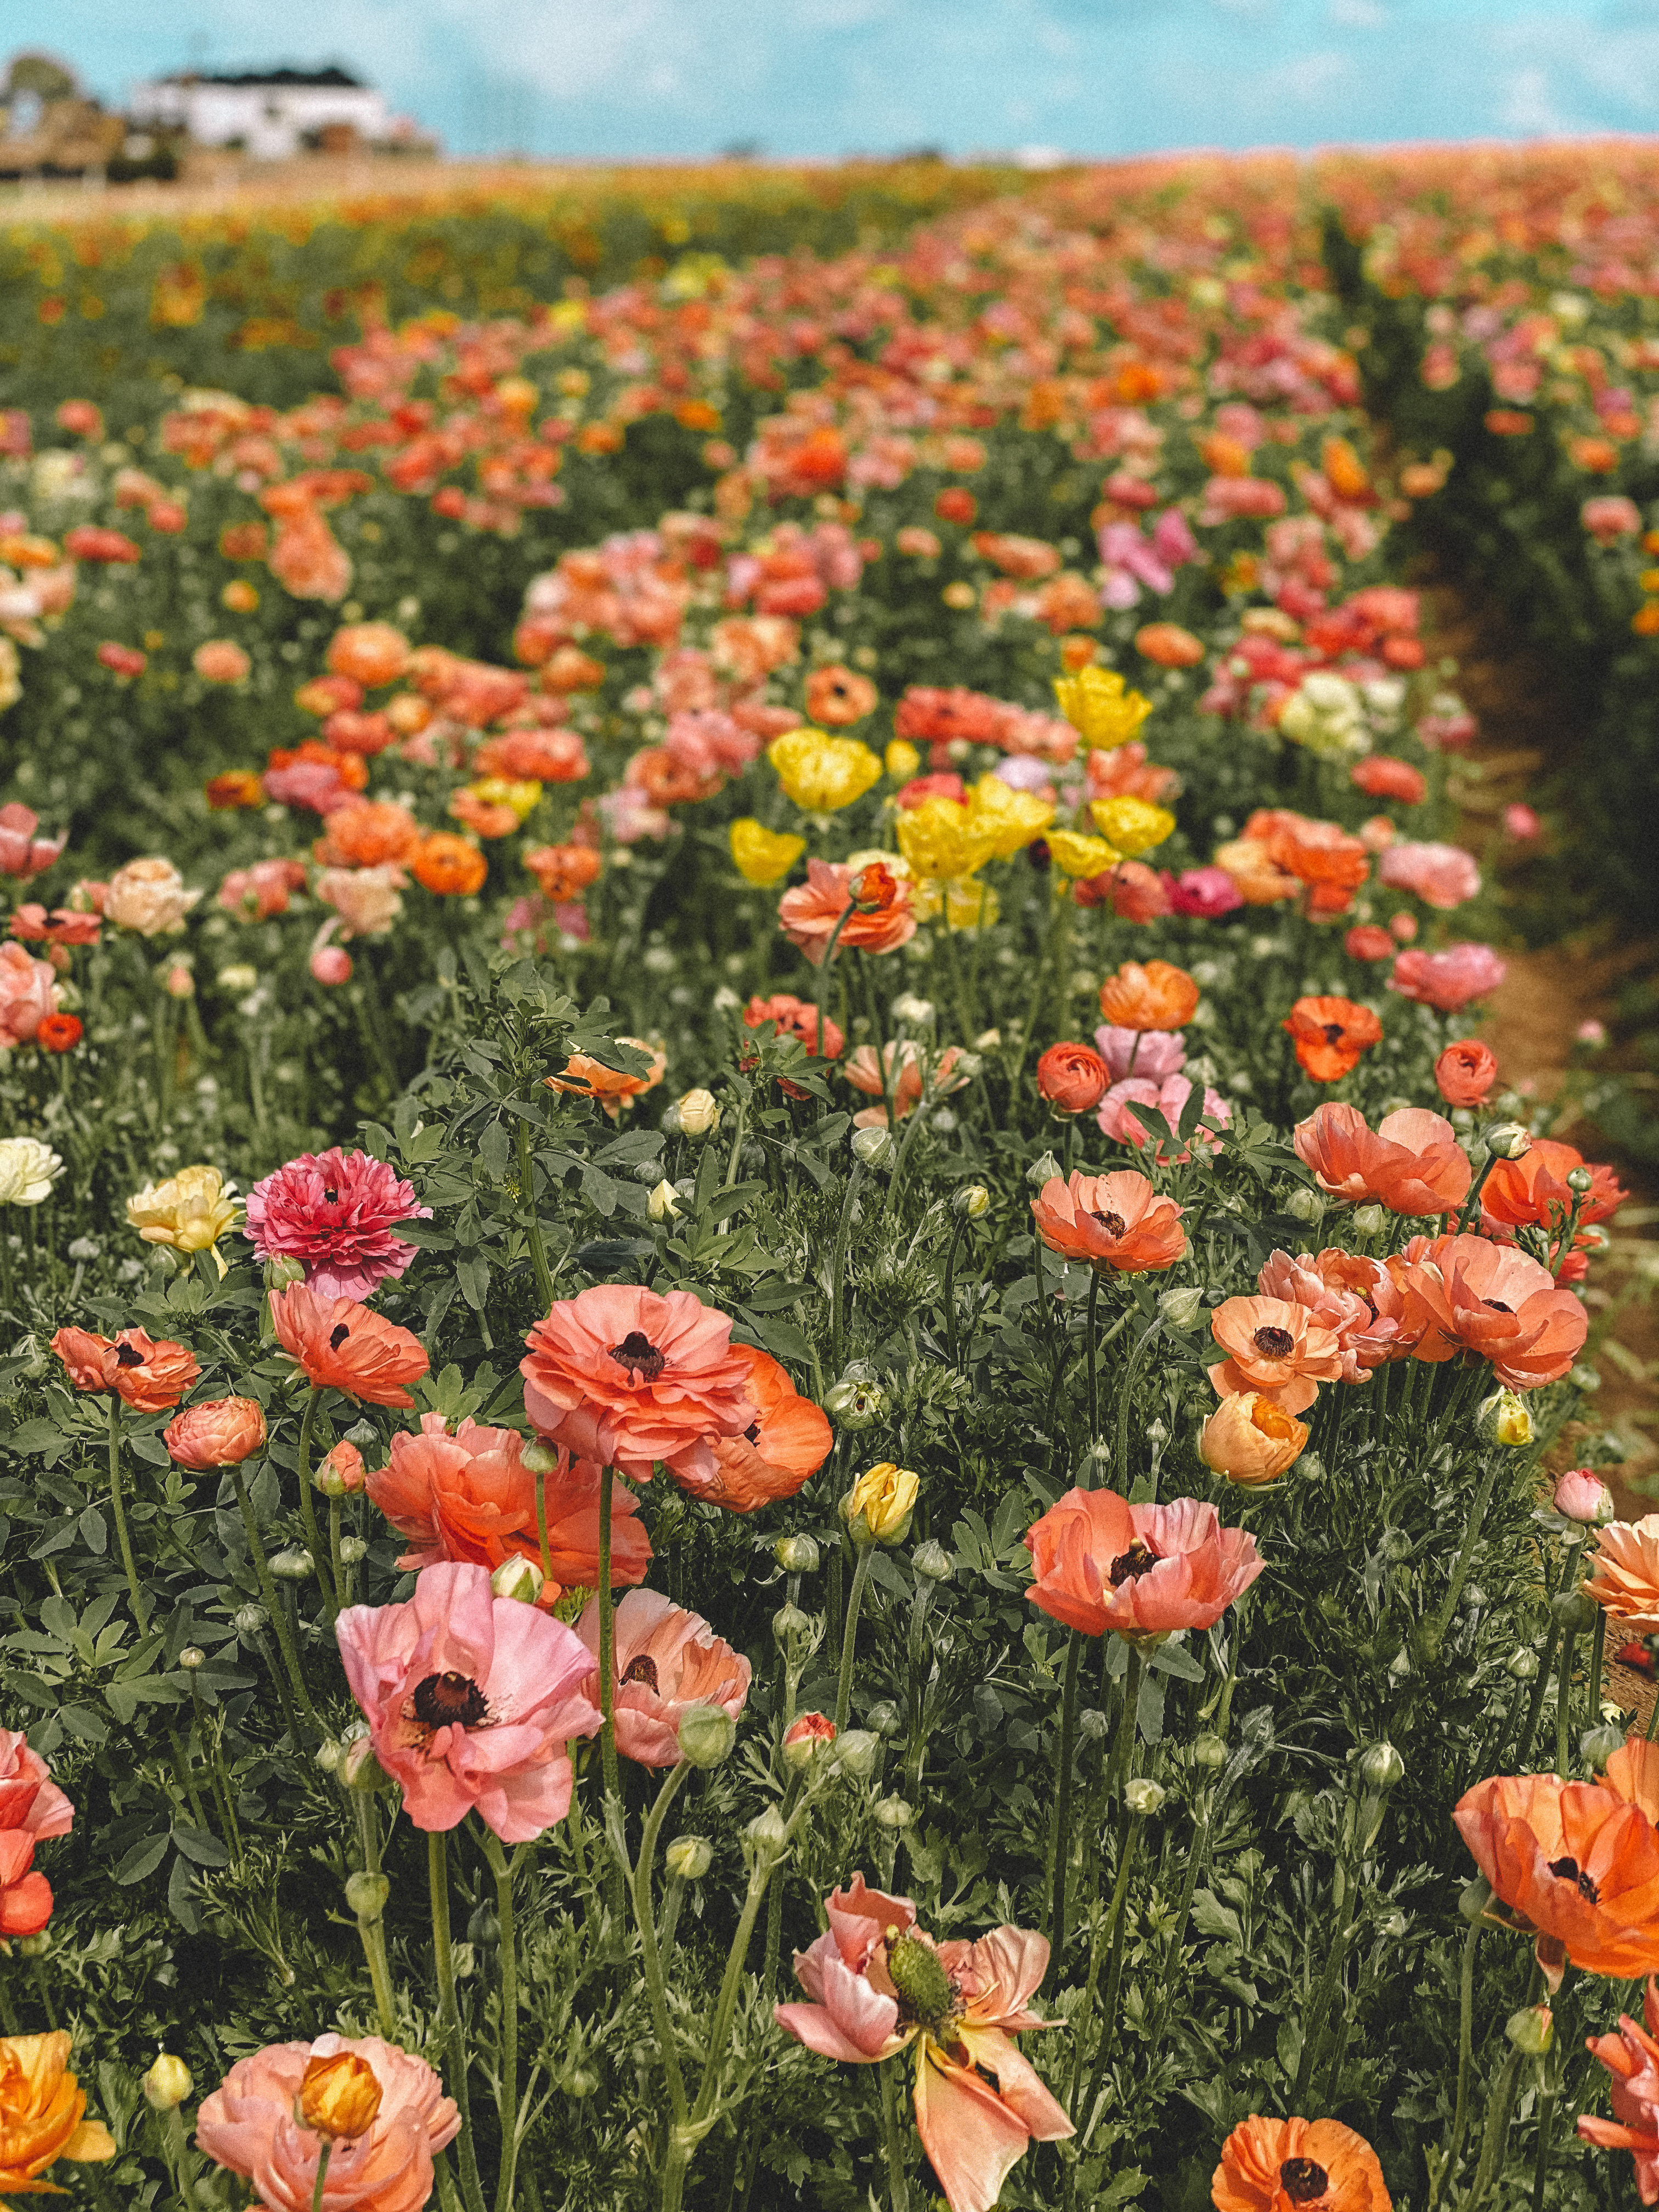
{"x": 270, "y": 113}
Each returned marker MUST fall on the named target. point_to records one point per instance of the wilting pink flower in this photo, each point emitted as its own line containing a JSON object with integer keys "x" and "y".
{"x": 1441, "y": 875}
{"x": 469, "y": 1699}
{"x": 334, "y": 1212}
{"x": 877, "y": 1983}
{"x": 23, "y": 854}
{"x": 666, "y": 1661}
{"x": 1152, "y": 1053}
{"x": 1138, "y": 1570}
{"x": 29, "y": 993}
{"x": 253, "y": 2124}
{"x": 1448, "y": 981}
{"x": 29, "y": 1798}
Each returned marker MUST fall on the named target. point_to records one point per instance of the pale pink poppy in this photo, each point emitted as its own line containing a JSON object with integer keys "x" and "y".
{"x": 29, "y": 1798}
{"x": 366, "y": 900}
{"x": 1149, "y": 1053}
{"x": 1448, "y": 981}
{"x": 29, "y": 993}
{"x": 666, "y": 1661}
{"x": 1442, "y": 876}
{"x": 23, "y": 854}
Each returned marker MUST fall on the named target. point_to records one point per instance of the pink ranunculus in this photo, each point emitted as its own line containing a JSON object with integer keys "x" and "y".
{"x": 1152, "y": 1053}
{"x": 335, "y": 1213}
{"x": 1205, "y": 894}
{"x": 29, "y": 1798}
{"x": 318, "y": 785}
{"x": 1442, "y": 876}
{"x": 1138, "y": 1571}
{"x": 23, "y": 854}
{"x": 256, "y": 893}
{"x": 1133, "y": 1111}
{"x": 665, "y": 1662}
{"x": 469, "y": 1699}
{"x": 1521, "y": 823}
{"x": 1610, "y": 518}
{"x": 1581, "y": 1495}
{"x": 29, "y": 993}
{"x": 251, "y": 2124}
{"x": 1448, "y": 981}
{"x": 368, "y": 900}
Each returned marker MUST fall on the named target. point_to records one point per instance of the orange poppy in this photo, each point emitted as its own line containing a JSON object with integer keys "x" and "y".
{"x": 563, "y": 871}
{"x": 1159, "y": 996}
{"x": 342, "y": 1345}
{"x": 368, "y": 834}
{"x": 1297, "y": 2165}
{"x": 1330, "y": 1035}
{"x": 584, "y": 1076}
{"x": 1323, "y": 856}
{"x": 449, "y": 865}
{"x": 1632, "y": 2057}
{"x": 836, "y": 698}
{"x": 1495, "y": 1302}
{"x": 1275, "y": 1347}
{"x": 784, "y": 1446}
{"x": 1531, "y": 1189}
{"x": 1412, "y": 1163}
{"x": 1112, "y": 1221}
{"x": 150, "y": 1374}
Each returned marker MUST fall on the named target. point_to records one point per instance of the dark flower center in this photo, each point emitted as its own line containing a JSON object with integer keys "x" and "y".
{"x": 751, "y": 1434}
{"x": 643, "y": 1669}
{"x": 1304, "y": 2180}
{"x": 449, "y": 1701}
{"x": 1273, "y": 1343}
{"x": 330, "y": 1196}
{"x": 640, "y": 1356}
{"x": 1334, "y": 1034}
{"x": 1138, "y": 1559}
{"x": 1497, "y": 1306}
{"x": 338, "y": 1335}
{"x": 128, "y": 1355}
{"x": 1568, "y": 1870}
{"x": 1111, "y": 1222}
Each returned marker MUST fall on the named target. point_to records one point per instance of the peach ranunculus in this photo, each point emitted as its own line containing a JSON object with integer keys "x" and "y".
{"x": 372, "y": 653}
{"x": 29, "y": 991}
{"x": 878, "y": 1983}
{"x": 789, "y": 1016}
{"x": 1330, "y": 1034}
{"x": 1251, "y": 1440}
{"x": 1491, "y": 1300}
{"x": 563, "y": 872}
{"x": 471, "y": 1699}
{"x": 1624, "y": 1573}
{"x": 1412, "y": 1163}
{"x": 29, "y": 1798}
{"x": 149, "y": 1374}
{"x": 584, "y": 1076}
{"x": 1465, "y": 1073}
{"x": 342, "y": 1345}
{"x": 783, "y": 1447}
{"x": 837, "y": 697}
{"x": 1575, "y": 1861}
{"x": 43, "y": 2113}
{"x": 1276, "y": 1347}
{"x": 221, "y": 1434}
{"x": 1632, "y": 2057}
{"x": 625, "y": 1378}
{"x": 148, "y": 897}
{"x": 368, "y": 900}
{"x": 1278, "y": 2166}
{"x": 254, "y": 2124}
{"x": 1136, "y": 1111}
{"x": 220, "y": 661}
{"x": 470, "y": 1497}
{"x": 919, "y": 1075}
{"x": 1116, "y": 1223}
{"x": 667, "y": 1660}
{"x": 1139, "y": 1571}
{"x": 1157, "y": 996}
{"x": 1351, "y": 1309}
{"x": 1072, "y": 1078}
{"x": 808, "y": 915}
{"x": 367, "y": 833}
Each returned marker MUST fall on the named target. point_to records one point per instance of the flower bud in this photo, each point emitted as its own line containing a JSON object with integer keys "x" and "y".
{"x": 1369, "y": 1220}
{"x": 855, "y": 1401}
{"x": 699, "y": 1115}
{"x": 328, "y": 1755}
{"x": 35, "y": 1946}
{"x": 1508, "y": 1141}
{"x": 1209, "y": 1750}
{"x": 932, "y": 1562}
{"x": 1091, "y": 1724}
{"x": 1305, "y": 1204}
{"x": 856, "y": 1753}
{"x": 249, "y": 1620}
{"x": 354, "y": 1550}
{"x": 893, "y": 1813}
{"x": 971, "y": 1201}
{"x": 1597, "y": 1745}
{"x": 292, "y": 1564}
{"x": 1143, "y": 1796}
{"x": 789, "y": 1626}
{"x": 1474, "y": 1897}
{"x": 167, "y": 2085}
{"x": 874, "y": 1147}
{"x": 539, "y": 1458}
{"x": 340, "y": 2096}
{"x": 1531, "y": 2030}
{"x": 1182, "y": 1308}
{"x": 878, "y": 1508}
{"x": 663, "y": 1205}
{"x": 1580, "y": 1182}
{"x": 688, "y": 1858}
{"x": 805, "y": 1739}
{"x": 517, "y": 1577}
{"x": 1584, "y": 1497}
{"x": 1505, "y": 1418}
{"x": 1043, "y": 1171}
{"x": 797, "y": 1555}
{"x": 766, "y": 1834}
{"x": 365, "y": 1895}
{"x": 988, "y": 1041}
{"x": 192, "y": 1657}
{"x": 1573, "y": 1611}
{"x": 360, "y": 1770}
{"x": 284, "y": 1271}
{"x": 707, "y": 1734}
{"x": 1522, "y": 1665}
{"x": 239, "y": 979}
{"x": 1381, "y": 1767}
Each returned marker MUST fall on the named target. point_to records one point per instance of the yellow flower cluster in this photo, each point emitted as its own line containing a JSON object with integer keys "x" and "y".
{"x": 763, "y": 856}
{"x": 1098, "y": 706}
{"x": 822, "y": 773}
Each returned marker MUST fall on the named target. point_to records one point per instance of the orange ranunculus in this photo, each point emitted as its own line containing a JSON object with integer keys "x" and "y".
{"x": 1322, "y": 855}
{"x": 1632, "y": 2057}
{"x": 149, "y": 1374}
{"x": 783, "y": 1447}
{"x": 43, "y": 2113}
{"x": 1138, "y": 1570}
{"x": 1157, "y": 996}
{"x": 1412, "y": 1163}
{"x": 1111, "y": 1221}
{"x": 83, "y": 1354}
{"x": 1330, "y": 1035}
{"x": 1251, "y": 1440}
{"x": 367, "y": 833}
{"x": 372, "y": 653}
{"x": 221, "y": 1434}
{"x": 237, "y": 786}
{"x": 1465, "y": 1073}
{"x": 1624, "y": 1573}
{"x": 1072, "y": 1078}
{"x": 1491, "y": 1300}
{"x": 836, "y": 697}
{"x": 448, "y": 865}
{"x": 1284, "y": 2165}
{"x": 1531, "y": 1189}
{"x": 1256, "y": 876}
{"x": 342, "y": 1345}
{"x": 1275, "y": 1347}
{"x": 879, "y": 923}
{"x": 584, "y": 1076}
{"x": 1575, "y": 1861}
{"x": 563, "y": 871}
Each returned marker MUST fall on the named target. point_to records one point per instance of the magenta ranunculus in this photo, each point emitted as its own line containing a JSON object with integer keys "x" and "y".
{"x": 1205, "y": 894}
{"x": 335, "y": 1213}
{"x": 1448, "y": 981}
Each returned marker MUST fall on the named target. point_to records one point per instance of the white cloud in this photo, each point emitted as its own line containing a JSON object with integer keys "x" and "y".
{"x": 1359, "y": 14}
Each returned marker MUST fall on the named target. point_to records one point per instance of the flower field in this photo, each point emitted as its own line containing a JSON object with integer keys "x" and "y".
{"x": 792, "y": 1418}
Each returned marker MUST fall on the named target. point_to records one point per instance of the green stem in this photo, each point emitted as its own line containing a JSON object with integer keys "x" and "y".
{"x": 1117, "y": 1928}
{"x": 838, "y": 1264}
{"x": 887, "y": 1074}
{"x": 610, "y": 1775}
{"x": 308, "y": 1510}
{"x": 952, "y": 1349}
{"x": 273, "y": 1605}
{"x": 1542, "y": 2159}
{"x": 1435, "y": 1635}
{"x": 1196, "y": 1856}
{"x": 117, "y": 1508}
{"x": 1068, "y": 1759}
{"x": 841, "y": 921}
{"x": 1465, "y": 2052}
{"x": 1598, "y": 1652}
{"x": 1125, "y": 1404}
{"x": 898, "y": 2178}
{"x": 650, "y": 1958}
{"x": 371, "y": 1930}
{"x": 911, "y": 1128}
{"x": 1092, "y": 1338}
{"x": 1563, "y": 1704}
{"x": 1536, "y": 1706}
{"x": 533, "y": 1222}
{"x": 449, "y": 2014}
{"x": 850, "y": 1636}
{"x": 321, "y": 2182}
{"x": 506, "y": 2093}
{"x": 1496, "y": 2139}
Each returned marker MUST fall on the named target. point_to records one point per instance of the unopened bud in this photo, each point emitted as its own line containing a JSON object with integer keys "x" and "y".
{"x": 1143, "y": 1796}
{"x": 789, "y": 1625}
{"x": 354, "y": 1550}
{"x": 1305, "y": 1204}
{"x": 294, "y": 1564}
{"x": 707, "y": 1734}
{"x": 1209, "y": 1750}
{"x": 167, "y": 2085}
{"x": 885, "y": 1718}
{"x": 192, "y": 1657}
{"x": 1508, "y": 1141}
{"x": 699, "y": 1114}
{"x": 366, "y": 1894}
{"x": 1369, "y": 1220}
{"x": 1041, "y": 1171}
{"x": 539, "y": 1458}
{"x": 35, "y": 1946}
{"x": 855, "y": 1401}
{"x": 856, "y": 1753}
{"x": 517, "y": 1577}
{"x": 1381, "y": 1767}
{"x": 1531, "y": 2030}
{"x": 1597, "y": 1745}
{"x": 249, "y": 1620}
{"x": 360, "y": 1770}
{"x": 663, "y": 1205}
{"x": 1091, "y": 1724}
{"x": 893, "y": 1813}
{"x": 283, "y": 1272}
{"x": 874, "y": 1147}
{"x": 1582, "y": 1497}
{"x": 932, "y": 1562}
{"x": 328, "y": 1755}
{"x": 688, "y": 1858}
{"x": 797, "y": 1555}
{"x": 972, "y": 1202}
{"x": 1474, "y": 1897}
{"x": 1580, "y": 1182}
{"x": 1522, "y": 1665}
{"x": 1505, "y": 1418}
{"x": 805, "y": 1739}
{"x": 1181, "y": 1308}
{"x": 766, "y": 1834}
{"x": 1573, "y": 1611}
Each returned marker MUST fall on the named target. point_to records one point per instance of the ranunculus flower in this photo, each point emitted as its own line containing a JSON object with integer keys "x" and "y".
{"x": 1465, "y": 1073}
{"x": 1366, "y": 941}
{"x": 1330, "y": 1035}
{"x": 29, "y": 1799}
{"x": 335, "y": 1213}
{"x": 43, "y": 2113}
{"x": 220, "y": 661}
{"x": 1267, "y": 2166}
{"x": 1410, "y": 1162}
{"x": 912, "y": 1074}
{"x": 1116, "y": 1222}
{"x": 1205, "y": 894}
{"x": 28, "y": 1169}
{"x": 29, "y": 994}
{"x": 1354, "y": 1297}
{"x": 151, "y": 1375}
{"x": 584, "y": 1076}
{"x": 1152, "y": 1053}
{"x": 1251, "y": 1440}
{"x": 1380, "y": 776}
{"x": 1448, "y": 981}
{"x": 1132, "y": 1112}
{"x": 1624, "y": 1573}
{"x": 23, "y": 854}
{"x": 1442, "y": 876}
{"x": 342, "y": 1345}
{"x": 1534, "y": 1190}
{"x": 469, "y": 1699}
{"x": 222, "y": 1433}
{"x": 149, "y": 897}
{"x": 1139, "y": 1571}
{"x": 625, "y": 1378}
{"x": 665, "y": 1662}
{"x": 1157, "y": 996}
{"x": 787, "y": 1015}
{"x": 254, "y": 2125}
{"x": 258, "y": 892}
{"x": 188, "y": 1213}
{"x": 368, "y": 900}
{"x": 1491, "y": 1300}
{"x": 808, "y": 915}
{"x": 783, "y": 1447}
{"x": 1072, "y": 1079}
{"x": 1274, "y": 1347}
{"x": 1580, "y": 1495}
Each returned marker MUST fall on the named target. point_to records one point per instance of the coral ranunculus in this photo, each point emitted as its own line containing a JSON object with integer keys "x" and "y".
{"x": 809, "y": 914}
{"x": 1632, "y": 2057}
{"x": 1251, "y": 1440}
{"x": 1534, "y": 1190}
{"x": 1493, "y": 1301}
{"x": 1072, "y": 1078}
{"x": 1330, "y": 1035}
{"x": 584, "y": 1076}
{"x": 1157, "y": 996}
{"x": 1412, "y": 1163}
{"x": 1139, "y": 1571}
{"x": 1465, "y": 1073}
{"x": 150, "y": 1374}
{"x": 335, "y": 1213}
{"x": 1448, "y": 981}
{"x": 1624, "y": 1573}
{"x": 221, "y": 1434}
{"x": 43, "y": 2113}
{"x": 783, "y": 1447}
{"x": 342, "y": 1345}
{"x": 1285, "y": 2165}
{"x": 470, "y": 1700}
{"x": 29, "y": 1798}
{"x": 1116, "y": 1223}
{"x": 665, "y": 1662}
{"x": 1274, "y": 1347}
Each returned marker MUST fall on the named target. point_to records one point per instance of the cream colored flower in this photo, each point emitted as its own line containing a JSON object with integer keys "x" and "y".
{"x": 28, "y": 1169}
{"x": 149, "y": 897}
{"x": 191, "y": 1211}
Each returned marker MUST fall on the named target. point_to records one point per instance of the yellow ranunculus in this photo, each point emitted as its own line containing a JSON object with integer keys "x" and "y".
{"x": 763, "y": 856}
{"x": 902, "y": 760}
{"x": 1099, "y": 708}
{"x": 970, "y": 904}
{"x": 1015, "y": 818}
{"x": 502, "y": 791}
{"x": 1074, "y": 854}
{"x": 191, "y": 1211}
{"x": 1133, "y": 825}
{"x": 339, "y": 2096}
{"x": 43, "y": 2114}
{"x": 940, "y": 839}
{"x": 878, "y": 1506}
{"x": 822, "y": 773}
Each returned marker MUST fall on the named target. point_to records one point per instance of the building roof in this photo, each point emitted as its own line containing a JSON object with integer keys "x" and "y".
{"x": 332, "y": 79}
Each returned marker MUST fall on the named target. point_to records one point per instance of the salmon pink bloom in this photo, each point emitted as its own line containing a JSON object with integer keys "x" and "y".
{"x": 25, "y": 1895}
{"x": 1491, "y": 1300}
{"x": 29, "y": 1799}
{"x": 919, "y": 1074}
{"x": 1157, "y": 996}
{"x": 878, "y": 1984}
{"x": 1274, "y": 1347}
{"x": 221, "y": 1434}
{"x": 334, "y": 1213}
{"x": 584, "y": 1076}
{"x": 1285, "y": 2165}
{"x": 1116, "y": 1222}
{"x": 1534, "y": 1190}
{"x": 254, "y": 2125}
{"x": 625, "y": 1378}
{"x": 1412, "y": 1163}
{"x": 1353, "y": 1308}
{"x": 1072, "y": 1079}
{"x": 368, "y": 900}
{"x": 470, "y": 1498}
{"x": 1380, "y": 776}
{"x": 1575, "y": 1861}
{"x": 808, "y": 915}
{"x": 1465, "y": 1073}
{"x": 1623, "y": 1575}
{"x": 1442, "y": 876}
{"x": 1448, "y": 981}
{"x": 1366, "y": 941}
{"x": 1134, "y": 1112}
{"x": 666, "y": 1661}
{"x": 1152, "y": 1053}
{"x": 1139, "y": 1571}
{"x": 342, "y": 1345}
{"x": 1632, "y": 2057}
{"x": 783, "y": 1447}
{"x": 470, "y": 1700}
{"x": 23, "y": 854}
{"x": 256, "y": 893}
{"x": 1330, "y": 1035}
{"x": 29, "y": 994}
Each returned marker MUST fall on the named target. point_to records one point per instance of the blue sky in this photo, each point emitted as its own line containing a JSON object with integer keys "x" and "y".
{"x": 592, "y": 78}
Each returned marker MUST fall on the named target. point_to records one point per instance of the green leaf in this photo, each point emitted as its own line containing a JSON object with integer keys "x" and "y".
{"x": 205, "y": 1850}
{"x": 1212, "y": 1918}
{"x": 142, "y": 1859}
{"x": 38, "y": 1436}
